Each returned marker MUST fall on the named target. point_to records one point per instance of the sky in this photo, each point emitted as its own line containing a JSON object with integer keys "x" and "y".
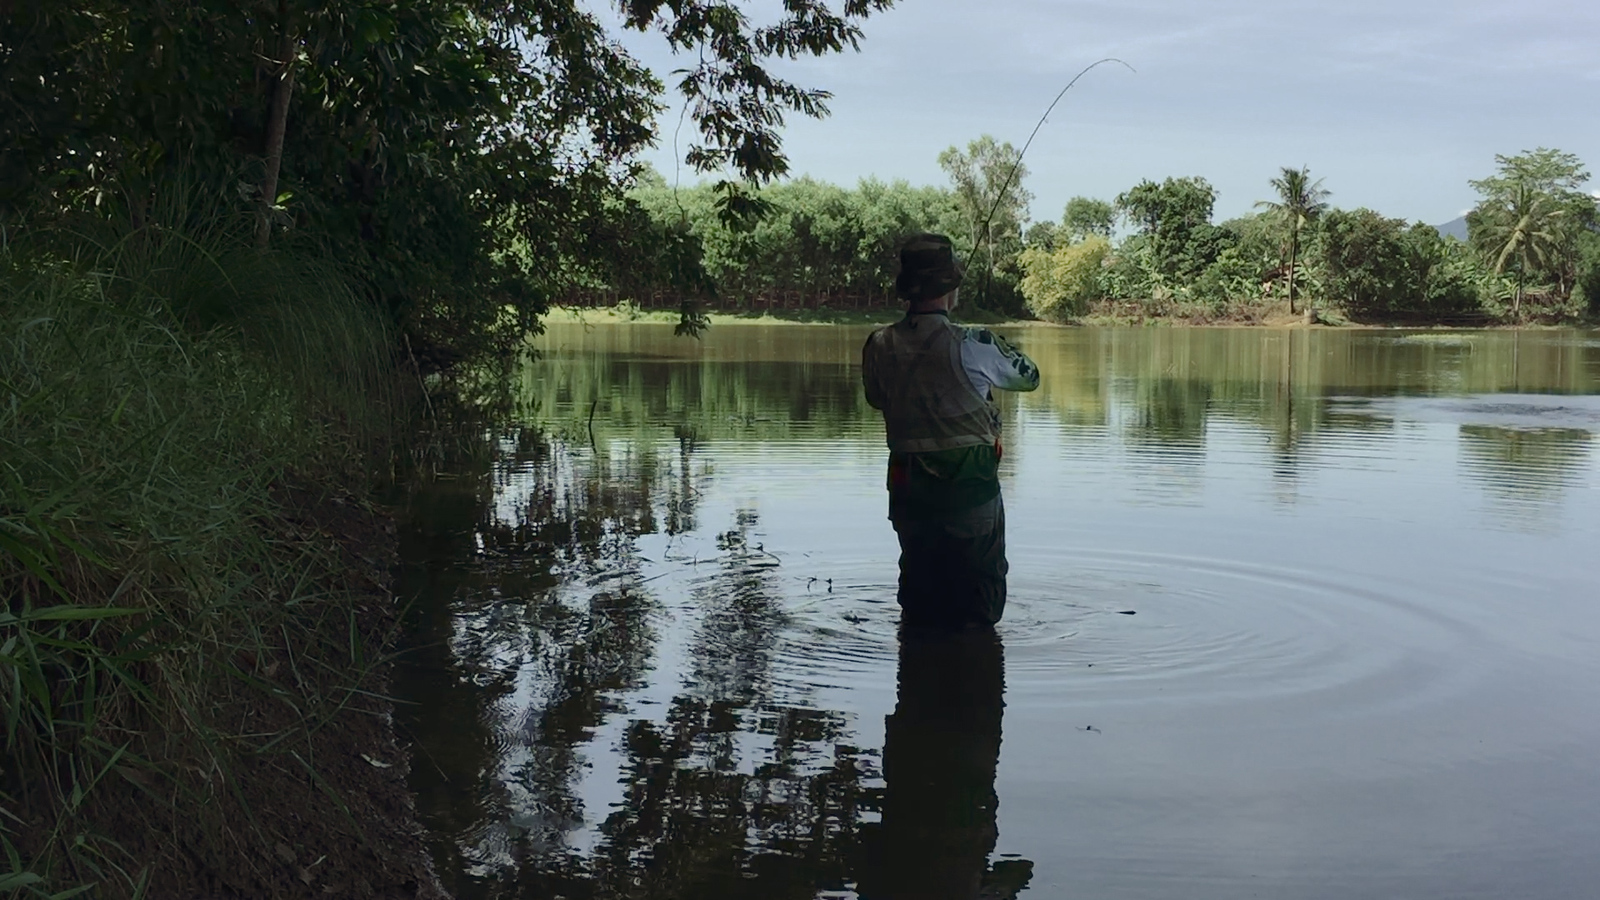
{"x": 1396, "y": 104}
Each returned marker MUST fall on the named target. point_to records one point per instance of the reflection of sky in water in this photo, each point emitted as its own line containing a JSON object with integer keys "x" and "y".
{"x": 1361, "y": 656}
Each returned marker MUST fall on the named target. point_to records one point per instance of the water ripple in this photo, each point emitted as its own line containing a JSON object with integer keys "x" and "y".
{"x": 1148, "y": 627}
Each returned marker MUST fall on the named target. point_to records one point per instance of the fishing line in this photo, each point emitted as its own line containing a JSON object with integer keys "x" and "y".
{"x": 677, "y": 160}
{"x": 977, "y": 239}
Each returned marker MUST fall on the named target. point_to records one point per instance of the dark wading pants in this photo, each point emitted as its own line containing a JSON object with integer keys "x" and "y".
{"x": 953, "y": 566}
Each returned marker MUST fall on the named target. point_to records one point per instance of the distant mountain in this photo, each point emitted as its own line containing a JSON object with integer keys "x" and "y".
{"x": 1456, "y": 228}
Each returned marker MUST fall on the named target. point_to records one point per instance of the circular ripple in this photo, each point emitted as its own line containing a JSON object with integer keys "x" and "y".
{"x": 1147, "y": 627}
{"x": 1226, "y": 631}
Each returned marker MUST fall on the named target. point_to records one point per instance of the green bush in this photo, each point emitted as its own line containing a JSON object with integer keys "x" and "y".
{"x": 1231, "y": 277}
{"x": 1588, "y": 268}
{"x": 1131, "y": 273}
{"x": 1450, "y": 275}
{"x": 1058, "y": 285}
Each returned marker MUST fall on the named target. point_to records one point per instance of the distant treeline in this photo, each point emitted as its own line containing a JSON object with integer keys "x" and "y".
{"x": 815, "y": 244}
{"x": 1533, "y": 248}
{"x": 812, "y": 243}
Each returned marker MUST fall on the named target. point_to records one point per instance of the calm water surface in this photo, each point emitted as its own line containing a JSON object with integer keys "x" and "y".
{"x": 1293, "y": 615}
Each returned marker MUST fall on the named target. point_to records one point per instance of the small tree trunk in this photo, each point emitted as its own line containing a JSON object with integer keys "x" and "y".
{"x": 1294, "y": 253}
{"x": 276, "y": 121}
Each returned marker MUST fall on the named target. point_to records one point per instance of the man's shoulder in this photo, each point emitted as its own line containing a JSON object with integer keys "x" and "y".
{"x": 884, "y": 330}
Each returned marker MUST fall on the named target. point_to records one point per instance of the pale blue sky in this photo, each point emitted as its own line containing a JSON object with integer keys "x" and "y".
{"x": 1396, "y": 103}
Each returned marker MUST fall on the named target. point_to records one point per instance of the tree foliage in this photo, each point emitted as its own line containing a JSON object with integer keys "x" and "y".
{"x": 1300, "y": 201}
{"x": 1521, "y": 230}
{"x": 816, "y": 239}
{"x": 1175, "y": 219}
{"x": 1533, "y": 219}
{"x": 1061, "y": 283}
{"x": 1085, "y": 216}
{"x": 1375, "y": 265}
{"x": 986, "y": 180}
{"x": 822, "y": 242}
{"x": 464, "y": 157}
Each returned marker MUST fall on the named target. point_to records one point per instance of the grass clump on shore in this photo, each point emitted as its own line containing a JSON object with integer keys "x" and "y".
{"x": 176, "y": 626}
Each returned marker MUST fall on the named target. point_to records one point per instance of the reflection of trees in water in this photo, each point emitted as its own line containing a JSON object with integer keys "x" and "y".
{"x": 682, "y": 495}
{"x": 741, "y": 611}
{"x": 1170, "y": 382}
{"x": 701, "y": 819}
{"x": 715, "y": 399}
{"x": 1528, "y": 469}
{"x": 1164, "y": 428}
{"x": 527, "y": 616}
{"x": 530, "y": 622}
{"x": 1170, "y": 413}
{"x": 753, "y": 382}
{"x": 731, "y": 795}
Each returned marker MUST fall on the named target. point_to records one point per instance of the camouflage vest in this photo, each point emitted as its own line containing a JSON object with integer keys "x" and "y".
{"x": 928, "y": 401}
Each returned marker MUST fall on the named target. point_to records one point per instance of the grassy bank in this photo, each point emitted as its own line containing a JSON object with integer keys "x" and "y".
{"x": 193, "y": 582}
{"x": 869, "y": 317}
{"x": 1106, "y": 313}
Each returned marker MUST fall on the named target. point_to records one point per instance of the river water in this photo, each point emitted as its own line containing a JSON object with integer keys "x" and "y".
{"x": 1293, "y": 614}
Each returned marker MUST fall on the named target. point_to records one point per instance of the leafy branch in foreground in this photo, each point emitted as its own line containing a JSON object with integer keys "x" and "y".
{"x": 455, "y": 153}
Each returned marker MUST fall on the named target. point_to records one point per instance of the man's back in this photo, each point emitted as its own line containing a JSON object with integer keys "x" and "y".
{"x": 933, "y": 380}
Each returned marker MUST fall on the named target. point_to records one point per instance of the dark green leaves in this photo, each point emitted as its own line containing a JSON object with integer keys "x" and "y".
{"x": 454, "y": 152}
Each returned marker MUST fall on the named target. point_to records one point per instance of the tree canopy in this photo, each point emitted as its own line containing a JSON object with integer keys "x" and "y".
{"x": 1174, "y": 218}
{"x": 1534, "y": 222}
{"x": 986, "y": 179}
{"x": 464, "y": 157}
{"x": 1085, "y": 216}
{"x": 822, "y": 244}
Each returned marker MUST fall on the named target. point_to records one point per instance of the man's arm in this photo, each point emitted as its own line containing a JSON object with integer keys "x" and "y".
{"x": 869, "y": 373}
{"x": 992, "y": 362}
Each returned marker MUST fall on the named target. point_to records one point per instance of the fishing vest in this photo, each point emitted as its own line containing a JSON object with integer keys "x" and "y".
{"x": 929, "y": 403}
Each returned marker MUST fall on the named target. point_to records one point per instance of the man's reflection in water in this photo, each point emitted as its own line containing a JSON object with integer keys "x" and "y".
{"x": 940, "y": 749}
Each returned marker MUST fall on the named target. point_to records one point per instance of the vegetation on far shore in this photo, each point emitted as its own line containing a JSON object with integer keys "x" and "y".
{"x": 1153, "y": 253}
{"x": 629, "y": 312}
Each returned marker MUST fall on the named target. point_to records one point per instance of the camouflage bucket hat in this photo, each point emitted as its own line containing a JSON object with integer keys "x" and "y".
{"x": 928, "y": 268}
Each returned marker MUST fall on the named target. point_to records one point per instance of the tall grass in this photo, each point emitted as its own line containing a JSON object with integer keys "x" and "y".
{"x": 163, "y": 391}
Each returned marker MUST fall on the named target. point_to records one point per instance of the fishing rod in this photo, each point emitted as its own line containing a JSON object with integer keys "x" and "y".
{"x": 977, "y": 238}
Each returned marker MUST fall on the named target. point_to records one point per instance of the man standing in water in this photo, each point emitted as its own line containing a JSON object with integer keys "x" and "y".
{"x": 933, "y": 381}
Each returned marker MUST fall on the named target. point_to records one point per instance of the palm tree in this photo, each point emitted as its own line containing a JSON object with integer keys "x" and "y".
{"x": 1300, "y": 200}
{"x": 1522, "y": 225}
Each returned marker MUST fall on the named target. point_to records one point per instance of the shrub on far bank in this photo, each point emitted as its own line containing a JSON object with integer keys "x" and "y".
{"x": 1232, "y": 277}
{"x": 1588, "y": 281}
{"x": 1375, "y": 266}
{"x": 1059, "y": 284}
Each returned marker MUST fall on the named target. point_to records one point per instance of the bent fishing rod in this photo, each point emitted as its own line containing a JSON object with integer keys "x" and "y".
{"x": 977, "y": 237}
